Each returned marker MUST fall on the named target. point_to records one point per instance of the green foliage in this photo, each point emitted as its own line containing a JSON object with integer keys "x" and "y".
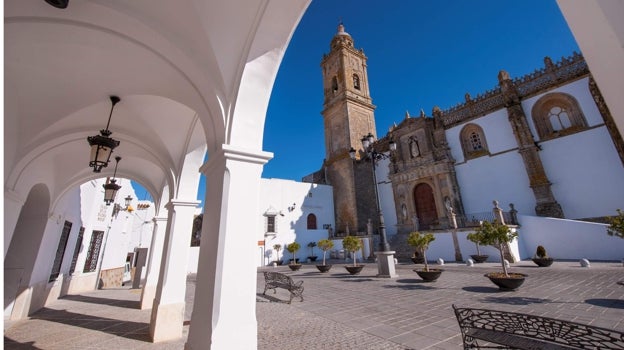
{"x": 277, "y": 247}
{"x": 419, "y": 240}
{"x": 352, "y": 243}
{"x": 325, "y": 244}
{"x": 616, "y": 227}
{"x": 293, "y": 247}
{"x": 540, "y": 252}
{"x": 496, "y": 234}
{"x": 475, "y": 237}
{"x": 312, "y": 244}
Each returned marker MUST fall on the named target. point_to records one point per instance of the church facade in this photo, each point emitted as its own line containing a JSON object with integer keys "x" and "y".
{"x": 544, "y": 144}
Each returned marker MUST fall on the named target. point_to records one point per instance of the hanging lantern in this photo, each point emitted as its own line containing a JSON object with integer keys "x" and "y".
{"x": 111, "y": 188}
{"x": 102, "y": 145}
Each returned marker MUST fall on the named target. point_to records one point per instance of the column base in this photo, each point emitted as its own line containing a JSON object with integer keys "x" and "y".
{"x": 166, "y": 322}
{"x": 385, "y": 264}
{"x": 147, "y": 297}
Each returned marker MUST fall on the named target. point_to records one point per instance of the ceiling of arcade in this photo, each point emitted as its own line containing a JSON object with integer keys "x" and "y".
{"x": 175, "y": 65}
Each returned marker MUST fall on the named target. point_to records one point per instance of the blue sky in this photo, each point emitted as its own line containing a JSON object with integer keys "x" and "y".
{"x": 421, "y": 54}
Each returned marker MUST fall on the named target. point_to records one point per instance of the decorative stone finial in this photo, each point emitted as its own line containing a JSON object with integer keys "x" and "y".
{"x": 467, "y": 97}
{"x": 422, "y": 113}
{"x": 503, "y": 75}
{"x": 407, "y": 116}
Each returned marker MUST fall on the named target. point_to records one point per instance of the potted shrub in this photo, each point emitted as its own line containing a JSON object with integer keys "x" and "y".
{"x": 499, "y": 235}
{"x": 541, "y": 258}
{"x": 311, "y": 245}
{"x": 277, "y": 248}
{"x": 477, "y": 239}
{"x": 616, "y": 226}
{"x": 294, "y": 263}
{"x": 353, "y": 244}
{"x": 421, "y": 243}
{"x": 325, "y": 245}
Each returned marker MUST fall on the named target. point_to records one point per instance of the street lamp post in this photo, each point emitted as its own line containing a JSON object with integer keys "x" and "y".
{"x": 385, "y": 256}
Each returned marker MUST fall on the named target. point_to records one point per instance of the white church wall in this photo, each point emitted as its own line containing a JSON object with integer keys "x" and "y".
{"x": 499, "y": 176}
{"x": 586, "y": 162}
{"x": 293, "y": 201}
{"x": 590, "y": 239}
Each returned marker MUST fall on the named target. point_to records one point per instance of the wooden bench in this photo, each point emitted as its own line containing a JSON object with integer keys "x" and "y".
{"x": 514, "y": 330}
{"x": 274, "y": 280}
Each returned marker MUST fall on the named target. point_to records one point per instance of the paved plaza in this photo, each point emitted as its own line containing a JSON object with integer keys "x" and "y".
{"x": 341, "y": 311}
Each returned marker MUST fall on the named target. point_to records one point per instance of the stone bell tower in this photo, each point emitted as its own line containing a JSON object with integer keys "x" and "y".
{"x": 348, "y": 115}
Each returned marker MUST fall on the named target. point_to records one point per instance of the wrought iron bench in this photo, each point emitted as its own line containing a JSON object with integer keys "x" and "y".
{"x": 274, "y": 280}
{"x": 513, "y": 330}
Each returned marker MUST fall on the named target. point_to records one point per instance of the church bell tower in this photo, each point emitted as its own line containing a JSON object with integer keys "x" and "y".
{"x": 348, "y": 115}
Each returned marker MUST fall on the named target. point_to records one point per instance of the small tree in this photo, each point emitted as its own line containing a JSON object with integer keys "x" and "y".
{"x": 311, "y": 245}
{"x": 616, "y": 227}
{"x": 540, "y": 252}
{"x": 477, "y": 239}
{"x": 352, "y": 244}
{"x": 293, "y": 248}
{"x": 277, "y": 248}
{"x": 421, "y": 242}
{"x": 325, "y": 245}
{"x": 498, "y": 235}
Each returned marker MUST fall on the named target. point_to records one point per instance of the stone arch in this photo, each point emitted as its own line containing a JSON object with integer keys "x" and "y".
{"x": 557, "y": 114}
{"x": 22, "y": 253}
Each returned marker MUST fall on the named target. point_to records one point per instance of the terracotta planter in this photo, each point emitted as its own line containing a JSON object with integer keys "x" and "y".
{"x": 513, "y": 282}
{"x": 429, "y": 276}
{"x": 294, "y": 267}
{"x": 354, "y": 270}
{"x": 543, "y": 262}
{"x": 323, "y": 268}
{"x": 478, "y": 259}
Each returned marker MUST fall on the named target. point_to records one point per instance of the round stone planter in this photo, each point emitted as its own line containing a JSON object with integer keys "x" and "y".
{"x": 313, "y": 258}
{"x": 354, "y": 270}
{"x": 513, "y": 282}
{"x": 478, "y": 259}
{"x": 294, "y": 267}
{"x": 323, "y": 268}
{"x": 429, "y": 276}
{"x": 543, "y": 262}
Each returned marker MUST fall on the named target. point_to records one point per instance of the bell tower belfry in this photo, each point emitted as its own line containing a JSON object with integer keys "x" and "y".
{"x": 348, "y": 115}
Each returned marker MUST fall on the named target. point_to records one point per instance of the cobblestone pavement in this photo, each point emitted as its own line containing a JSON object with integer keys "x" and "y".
{"x": 341, "y": 311}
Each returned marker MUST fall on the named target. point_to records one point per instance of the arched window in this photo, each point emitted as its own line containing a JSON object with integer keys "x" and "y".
{"x": 356, "y": 81}
{"x": 473, "y": 141}
{"x": 334, "y": 84}
{"x": 556, "y": 115}
{"x": 311, "y": 222}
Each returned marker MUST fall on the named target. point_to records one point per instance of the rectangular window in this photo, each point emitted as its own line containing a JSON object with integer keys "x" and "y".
{"x": 94, "y": 251}
{"x": 60, "y": 252}
{"x": 72, "y": 268}
{"x": 270, "y": 224}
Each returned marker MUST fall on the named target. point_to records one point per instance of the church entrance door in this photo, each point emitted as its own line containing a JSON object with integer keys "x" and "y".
{"x": 425, "y": 206}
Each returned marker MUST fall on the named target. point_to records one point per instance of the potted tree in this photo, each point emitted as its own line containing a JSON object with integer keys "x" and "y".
{"x": 277, "y": 248}
{"x": 499, "y": 235}
{"x": 541, "y": 258}
{"x": 477, "y": 239}
{"x": 353, "y": 244}
{"x": 325, "y": 245}
{"x": 311, "y": 245}
{"x": 421, "y": 243}
{"x": 294, "y": 262}
{"x": 616, "y": 226}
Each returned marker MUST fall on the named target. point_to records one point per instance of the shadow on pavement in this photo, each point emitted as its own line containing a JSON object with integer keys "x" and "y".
{"x": 515, "y": 300}
{"x": 126, "y": 329}
{"x": 610, "y": 303}
{"x": 10, "y": 344}
{"x": 129, "y": 304}
{"x": 480, "y": 289}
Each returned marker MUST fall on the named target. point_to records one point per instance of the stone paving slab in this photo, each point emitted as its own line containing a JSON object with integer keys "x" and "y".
{"x": 341, "y": 311}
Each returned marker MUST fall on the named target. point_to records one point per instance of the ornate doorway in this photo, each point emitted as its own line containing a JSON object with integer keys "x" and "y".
{"x": 425, "y": 206}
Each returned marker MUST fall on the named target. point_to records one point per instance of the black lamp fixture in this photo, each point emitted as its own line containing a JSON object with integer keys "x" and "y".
{"x": 117, "y": 208}
{"x": 60, "y": 4}
{"x": 102, "y": 145}
{"x": 111, "y": 188}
